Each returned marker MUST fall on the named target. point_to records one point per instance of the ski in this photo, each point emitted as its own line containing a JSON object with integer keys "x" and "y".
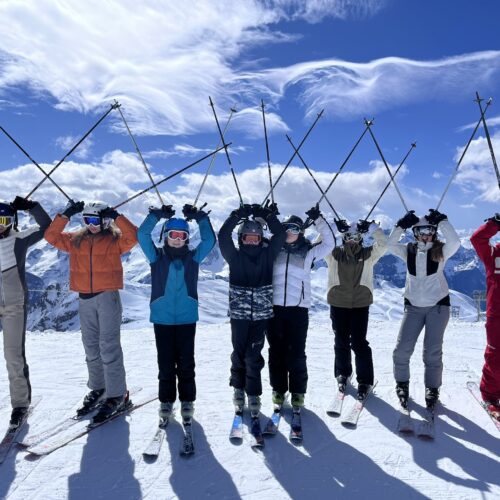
{"x": 426, "y": 428}
{"x": 236, "y": 434}
{"x": 476, "y": 394}
{"x": 58, "y": 441}
{"x": 187, "y": 446}
{"x": 351, "y": 419}
{"x": 335, "y": 409}
{"x": 256, "y": 433}
{"x": 152, "y": 450}
{"x": 296, "y": 427}
{"x": 273, "y": 423}
{"x": 12, "y": 432}
{"x": 405, "y": 422}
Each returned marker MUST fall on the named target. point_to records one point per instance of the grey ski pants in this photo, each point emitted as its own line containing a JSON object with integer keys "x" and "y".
{"x": 100, "y": 320}
{"x": 13, "y": 320}
{"x": 434, "y": 319}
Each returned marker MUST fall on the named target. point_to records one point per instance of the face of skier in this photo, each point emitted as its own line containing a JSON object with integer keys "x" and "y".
{"x": 291, "y": 237}
{"x": 251, "y": 239}
{"x": 176, "y": 239}
{"x": 425, "y": 234}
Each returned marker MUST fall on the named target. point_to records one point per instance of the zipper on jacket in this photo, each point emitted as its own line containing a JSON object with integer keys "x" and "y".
{"x": 286, "y": 276}
{"x": 91, "y": 248}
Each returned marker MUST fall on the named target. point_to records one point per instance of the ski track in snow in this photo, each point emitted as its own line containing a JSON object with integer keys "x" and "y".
{"x": 373, "y": 461}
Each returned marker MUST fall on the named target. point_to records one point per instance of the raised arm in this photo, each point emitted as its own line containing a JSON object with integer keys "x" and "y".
{"x": 481, "y": 239}
{"x": 226, "y": 244}
{"x": 144, "y": 237}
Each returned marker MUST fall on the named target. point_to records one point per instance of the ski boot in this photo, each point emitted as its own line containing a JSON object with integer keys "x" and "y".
{"x": 17, "y": 416}
{"x": 254, "y": 405}
{"x": 278, "y": 398}
{"x": 297, "y": 401}
{"x": 403, "y": 393}
{"x": 363, "y": 390}
{"x": 431, "y": 397}
{"x": 165, "y": 411}
{"x": 187, "y": 410}
{"x": 110, "y": 407}
{"x": 90, "y": 402}
{"x": 239, "y": 399}
{"x": 493, "y": 408}
{"x": 342, "y": 382}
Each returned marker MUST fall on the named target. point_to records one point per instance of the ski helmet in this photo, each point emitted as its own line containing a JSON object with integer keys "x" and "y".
{"x": 177, "y": 224}
{"x": 250, "y": 227}
{"x": 424, "y": 227}
{"x": 92, "y": 214}
{"x": 294, "y": 224}
{"x": 7, "y": 215}
{"x": 352, "y": 234}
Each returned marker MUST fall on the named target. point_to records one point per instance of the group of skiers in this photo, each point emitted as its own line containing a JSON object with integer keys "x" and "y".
{"x": 269, "y": 297}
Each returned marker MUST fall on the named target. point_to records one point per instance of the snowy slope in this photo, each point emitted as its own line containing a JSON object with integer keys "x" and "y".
{"x": 372, "y": 461}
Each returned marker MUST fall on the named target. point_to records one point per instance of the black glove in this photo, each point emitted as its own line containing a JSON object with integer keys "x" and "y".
{"x": 435, "y": 217}
{"x": 495, "y": 218}
{"x": 342, "y": 225}
{"x": 242, "y": 212}
{"x": 261, "y": 212}
{"x": 314, "y": 213}
{"x": 165, "y": 212}
{"x": 72, "y": 208}
{"x": 273, "y": 207}
{"x": 410, "y": 219}
{"x": 21, "y": 203}
{"x": 192, "y": 213}
{"x": 364, "y": 225}
{"x": 109, "y": 213}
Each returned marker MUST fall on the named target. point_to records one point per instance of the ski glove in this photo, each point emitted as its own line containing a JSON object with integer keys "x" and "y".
{"x": 109, "y": 212}
{"x": 435, "y": 217}
{"x": 342, "y": 225}
{"x": 192, "y": 213}
{"x": 165, "y": 212}
{"x": 242, "y": 212}
{"x": 72, "y": 208}
{"x": 363, "y": 225}
{"x": 314, "y": 213}
{"x": 21, "y": 203}
{"x": 408, "y": 220}
{"x": 273, "y": 207}
{"x": 261, "y": 212}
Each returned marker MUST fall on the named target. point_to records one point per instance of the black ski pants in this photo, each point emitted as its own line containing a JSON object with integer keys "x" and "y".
{"x": 350, "y": 327}
{"x": 286, "y": 335}
{"x": 246, "y": 360}
{"x": 175, "y": 347}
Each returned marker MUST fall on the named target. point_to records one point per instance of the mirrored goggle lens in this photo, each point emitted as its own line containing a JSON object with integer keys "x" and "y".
{"x": 177, "y": 235}
{"x": 251, "y": 237}
{"x": 352, "y": 237}
{"x": 5, "y": 220}
{"x": 426, "y": 230}
{"x": 91, "y": 220}
{"x": 292, "y": 228}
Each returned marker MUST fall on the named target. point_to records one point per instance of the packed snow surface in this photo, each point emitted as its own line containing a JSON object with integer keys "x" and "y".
{"x": 372, "y": 461}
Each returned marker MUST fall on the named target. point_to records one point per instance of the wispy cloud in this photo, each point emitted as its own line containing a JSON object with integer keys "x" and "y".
{"x": 491, "y": 122}
{"x": 187, "y": 150}
{"x": 65, "y": 143}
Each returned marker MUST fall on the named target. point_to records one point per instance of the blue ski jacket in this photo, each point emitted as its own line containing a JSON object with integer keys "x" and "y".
{"x": 174, "y": 278}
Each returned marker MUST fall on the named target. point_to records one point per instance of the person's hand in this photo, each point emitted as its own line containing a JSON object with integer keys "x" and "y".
{"x": 243, "y": 211}
{"x": 273, "y": 207}
{"x": 342, "y": 225}
{"x": 314, "y": 212}
{"x": 408, "y": 220}
{"x": 435, "y": 217}
{"x": 109, "y": 213}
{"x": 192, "y": 213}
{"x": 73, "y": 208}
{"x": 261, "y": 212}
{"x": 21, "y": 203}
{"x": 363, "y": 226}
{"x": 164, "y": 212}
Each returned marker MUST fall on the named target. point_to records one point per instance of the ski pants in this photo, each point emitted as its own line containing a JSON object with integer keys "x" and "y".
{"x": 434, "y": 319}
{"x": 490, "y": 382}
{"x": 350, "y": 327}
{"x": 175, "y": 347}
{"x": 286, "y": 335}
{"x": 247, "y": 362}
{"x": 13, "y": 319}
{"x": 100, "y": 320}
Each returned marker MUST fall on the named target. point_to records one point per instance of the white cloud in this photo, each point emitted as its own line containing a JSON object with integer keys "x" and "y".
{"x": 187, "y": 150}
{"x": 65, "y": 143}
{"x": 491, "y": 122}
{"x": 437, "y": 175}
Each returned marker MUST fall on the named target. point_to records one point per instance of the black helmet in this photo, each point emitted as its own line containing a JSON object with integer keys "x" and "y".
{"x": 294, "y": 221}
{"x": 250, "y": 227}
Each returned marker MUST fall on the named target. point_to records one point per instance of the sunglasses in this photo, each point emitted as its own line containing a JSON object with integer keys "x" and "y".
{"x": 92, "y": 220}
{"x": 6, "y": 220}
{"x": 425, "y": 230}
{"x": 174, "y": 234}
{"x": 292, "y": 228}
{"x": 352, "y": 237}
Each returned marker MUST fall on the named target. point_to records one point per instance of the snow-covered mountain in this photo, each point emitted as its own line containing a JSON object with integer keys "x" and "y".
{"x": 54, "y": 306}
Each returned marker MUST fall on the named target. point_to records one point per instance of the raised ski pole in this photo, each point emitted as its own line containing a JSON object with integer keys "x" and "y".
{"x": 368, "y": 125}
{"x": 267, "y": 149}
{"x": 488, "y": 138}
{"x": 225, "y": 149}
{"x": 139, "y": 154}
{"x": 169, "y": 177}
{"x": 387, "y": 166}
{"x": 320, "y": 114}
{"x": 413, "y": 145}
{"x": 488, "y": 102}
{"x": 35, "y": 163}
{"x": 312, "y": 176}
{"x": 233, "y": 110}
{"x": 113, "y": 106}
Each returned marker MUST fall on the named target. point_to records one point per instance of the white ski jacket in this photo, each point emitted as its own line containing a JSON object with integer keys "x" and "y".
{"x": 292, "y": 271}
{"x": 426, "y": 284}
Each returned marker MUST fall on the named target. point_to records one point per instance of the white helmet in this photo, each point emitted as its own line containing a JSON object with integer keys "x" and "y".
{"x": 421, "y": 224}
{"x": 93, "y": 209}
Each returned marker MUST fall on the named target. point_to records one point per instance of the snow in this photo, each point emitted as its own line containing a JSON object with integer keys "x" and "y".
{"x": 373, "y": 461}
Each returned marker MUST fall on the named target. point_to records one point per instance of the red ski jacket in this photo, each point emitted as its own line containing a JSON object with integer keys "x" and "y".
{"x": 490, "y": 255}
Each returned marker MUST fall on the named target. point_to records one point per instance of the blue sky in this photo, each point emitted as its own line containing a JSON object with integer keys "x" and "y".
{"x": 414, "y": 66}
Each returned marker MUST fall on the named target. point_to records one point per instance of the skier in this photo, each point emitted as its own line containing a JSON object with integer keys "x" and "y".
{"x": 96, "y": 273}
{"x": 287, "y": 329}
{"x": 250, "y": 295}
{"x": 14, "y": 245}
{"x": 350, "y": 294}
{"x": 426, "y": 297}
{"x": 490, "y": 255}
{"x": 174, "y": 301}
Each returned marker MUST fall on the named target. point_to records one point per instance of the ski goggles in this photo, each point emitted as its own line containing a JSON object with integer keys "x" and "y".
{"x": 425, "y": 230}
{"x": 292, "y": 228}
{"x": 175, "y": 234}
{"x": 356, "y": 237}
{"x": 6, "y": 220}
{"x": 91, "y": 220}
{"x": 251, "y": 238}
